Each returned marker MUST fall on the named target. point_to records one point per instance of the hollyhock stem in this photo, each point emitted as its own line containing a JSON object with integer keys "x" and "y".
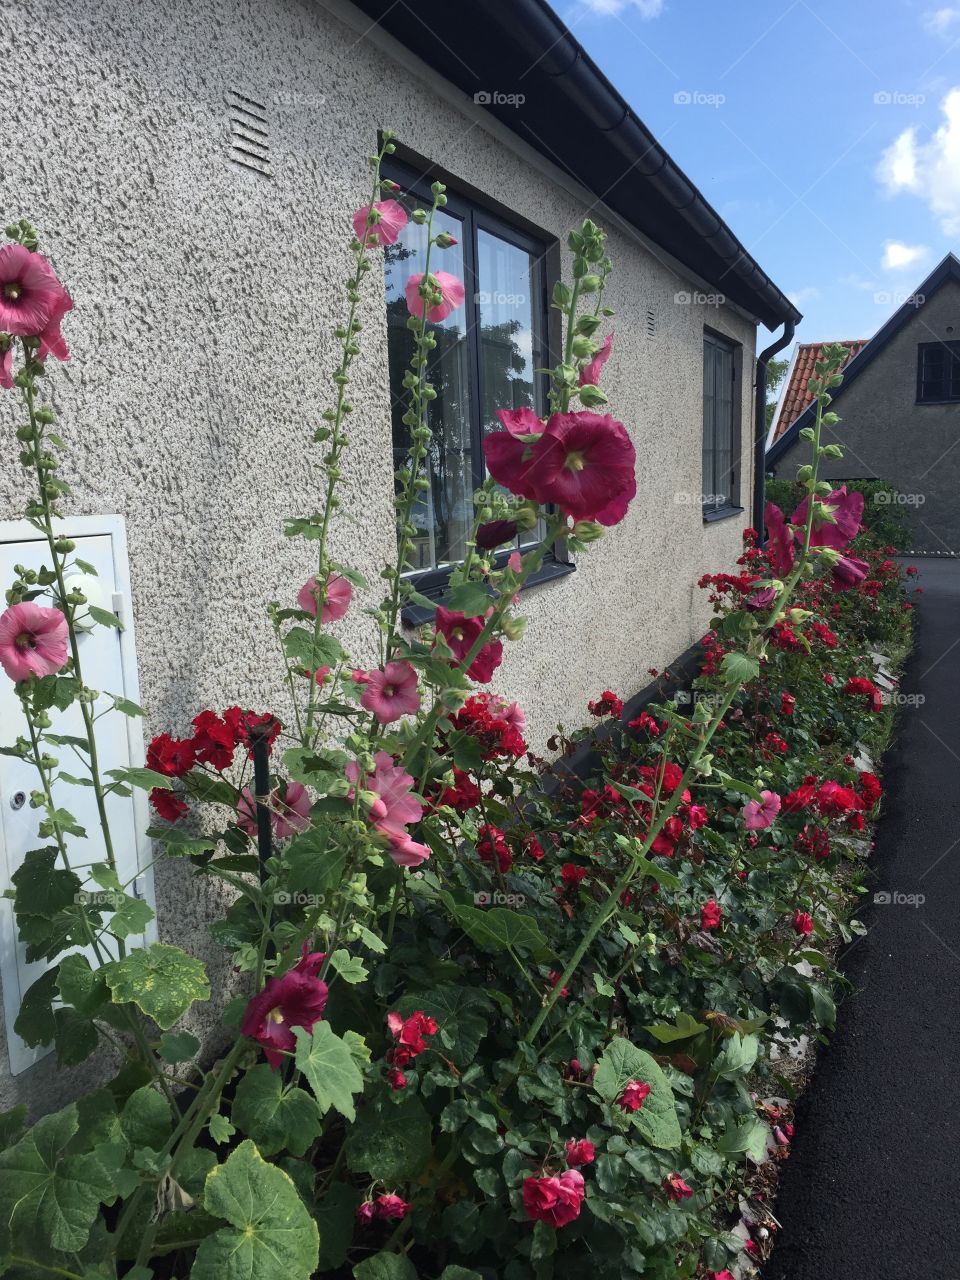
{"x": 610, "y": 905}
{"x": 336, "y": 417}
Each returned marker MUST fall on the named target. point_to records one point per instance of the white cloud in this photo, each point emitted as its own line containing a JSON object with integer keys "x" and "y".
{"x": 897, "y": 255}
{"x": 929, "y": 169}
{"x": 646, "y": 8}
{"x": 941, "y": 21}
{"x": 807, "y": 294}
{"x": 854, "y": 281}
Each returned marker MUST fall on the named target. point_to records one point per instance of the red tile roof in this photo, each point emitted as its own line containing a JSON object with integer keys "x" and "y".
{"x": 797, "y": 397}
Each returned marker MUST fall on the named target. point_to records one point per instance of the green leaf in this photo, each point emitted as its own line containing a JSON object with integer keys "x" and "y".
{"x": 385, "y": 1266}
{"x": 306, "y": 650}
{"x": 35, "y": 1023}
{"x": 43, "y": 888}
{"x": 132, "y": 916}
{"x": 657, "y": 1118}
{"x": 471, "y": 599}
{"x": 684, "y": 1028}
{"x": 104, "y": 617}
{"x": 270, "y": 1236}
{"x": 146, "y": 1119}
{"x": 749, "y": 1139}
{"x": 161, "y": 980}
{"x": 329, "y": 1067}
{"x": 316, "y": 864}
{"x": 738, "y": 1055}
{"x": 459, "y": 1273}
{"x": 12, "y": 1125}
{"x": 145, "y": 779}
{"x": 350, "y": 968}
{"x": 390, "y": 1141}
{"x": 499, "y": 929}
{"x": 83, "y": 565}
{"x": 739, "y": 668}
{"x": 336, "y": 1217}
{"x": 177, "y": 1046}
{"x": 75, "y": 1037}
{"x": 49, "y": 1198}
{"x": 221, "y": 1129}
{"x": 274, "y": 1116}
{"x": 126, "y": 707}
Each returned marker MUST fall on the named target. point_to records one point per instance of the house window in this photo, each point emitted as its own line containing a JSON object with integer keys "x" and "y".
{"x": 721, "y": 425}
{"x": 938, "y": 372}
{"x": 487, "y": 355}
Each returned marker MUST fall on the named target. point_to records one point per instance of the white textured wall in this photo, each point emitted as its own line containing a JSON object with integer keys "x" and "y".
{"x": 201, "y": 338}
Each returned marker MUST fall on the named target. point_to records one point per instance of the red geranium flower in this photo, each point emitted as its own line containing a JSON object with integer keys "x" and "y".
{"x": 171, "y": 756}
{"x": 710, "y": 915}
{"x": 167, "y": 804}
{"x": 214, "y": 740}
{"x": 408, "y": 1036}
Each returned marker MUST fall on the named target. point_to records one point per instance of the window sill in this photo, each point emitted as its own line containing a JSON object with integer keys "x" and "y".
{"x": 415, "y": 615}
{"x": 721, "y": 513}
{"x": 920, "y": 404}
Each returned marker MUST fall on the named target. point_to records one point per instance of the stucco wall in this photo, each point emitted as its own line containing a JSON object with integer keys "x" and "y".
{"x": 201, "y": 337}
{"x": 887, "y": 435}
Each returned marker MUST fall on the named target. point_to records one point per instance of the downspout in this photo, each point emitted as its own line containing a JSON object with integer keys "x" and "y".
{"x": 760, "y": 422}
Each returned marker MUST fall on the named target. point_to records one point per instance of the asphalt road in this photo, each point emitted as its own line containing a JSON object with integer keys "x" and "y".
{"x": 872, "y": 1186}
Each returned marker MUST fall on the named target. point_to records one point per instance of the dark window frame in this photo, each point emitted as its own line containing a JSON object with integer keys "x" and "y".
{"x": 713, "y": 512}
{"x": 949, "y": 378}
{"x": 479, "y": 213}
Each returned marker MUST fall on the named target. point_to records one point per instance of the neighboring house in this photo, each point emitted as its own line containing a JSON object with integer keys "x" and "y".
{"x": 900, "y": 412}
{"x": 193, "y": 170}
{"x": 795, "y": 392}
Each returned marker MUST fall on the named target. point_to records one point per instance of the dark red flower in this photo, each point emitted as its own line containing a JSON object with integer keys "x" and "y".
{"x": 492, "y": 843}
{"x": 297, "y": 999}
{"x": 214, "y": 740}
{"x": 554, "y": 1200}
{"x": 676, "y": 1188}
{"x": 635, "y": 1093}
{"x": 167, "y": 804}
{"x": 495, "y": 533}
{"x": 608, "y": 704}
{"x": 463, "y": 795}
{"x": 171, "y": 756}
{"x": 461, "y": 634}
{"x": 408, "y": 1036}
{"x": 579, "y": 1152}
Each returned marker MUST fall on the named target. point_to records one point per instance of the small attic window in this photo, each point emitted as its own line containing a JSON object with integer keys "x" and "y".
{"x": 249, "y": 143}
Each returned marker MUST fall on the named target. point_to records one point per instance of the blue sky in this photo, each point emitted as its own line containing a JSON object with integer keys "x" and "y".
{"x": 826, "y": 135}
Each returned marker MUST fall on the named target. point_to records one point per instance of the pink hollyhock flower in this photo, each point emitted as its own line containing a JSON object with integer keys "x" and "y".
{"x": 394, "y": 809}
{"x": 586, "y": 465}
{"x": 554, "y": 1200}
{"x": 33, "y": 640}
{"x": 780, "y": 544}
{"x": 710, "y": 915}
{"x": 389, "y": 219}
{"x": 721, "y": 1275}
{"x": 760, "y": 814}
{"x": 460, "y": 634}
{"x": 408, "y": 1036}
{"x": 579, "y": 1152}
{"x": 392, "y": 693}
{"x": 391, "y": 1208}
{"x": 52, "y": 341}
{"x": 515, "y": 562}
{"x": 803, "y": 923}
{"x": 29, "y": 291}
{"x": 848, "y": 573}
{"x": 297, "y": 999}
{"x": 761, "y": 599}
{"x": 336, "y": 597}
{"x": 590, "y": 373}
{"x": 846, "y": 510}
{"x": 451, "y": 292}
{"x": 6, "y": 363}
{"x": 676, "y": 1188}
{"x": 634, "y": 1095}
{"x": 288, "y": 814}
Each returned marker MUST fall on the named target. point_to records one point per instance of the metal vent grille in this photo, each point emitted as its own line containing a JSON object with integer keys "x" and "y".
{"x": 651, "y": 325}
{"x": 249, "y": 143}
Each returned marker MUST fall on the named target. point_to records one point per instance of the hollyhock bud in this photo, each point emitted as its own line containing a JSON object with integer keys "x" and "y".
{"x": 587, "y": 531}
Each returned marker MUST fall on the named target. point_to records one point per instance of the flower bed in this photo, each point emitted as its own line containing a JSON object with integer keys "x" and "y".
{"x": 488, "y": 1028}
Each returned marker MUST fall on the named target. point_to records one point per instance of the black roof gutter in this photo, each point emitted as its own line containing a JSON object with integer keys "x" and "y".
{"x": 518, "y": 59}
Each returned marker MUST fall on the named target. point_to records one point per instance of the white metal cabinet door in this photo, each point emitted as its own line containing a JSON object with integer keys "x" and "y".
{"x": 100, "y": 658}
